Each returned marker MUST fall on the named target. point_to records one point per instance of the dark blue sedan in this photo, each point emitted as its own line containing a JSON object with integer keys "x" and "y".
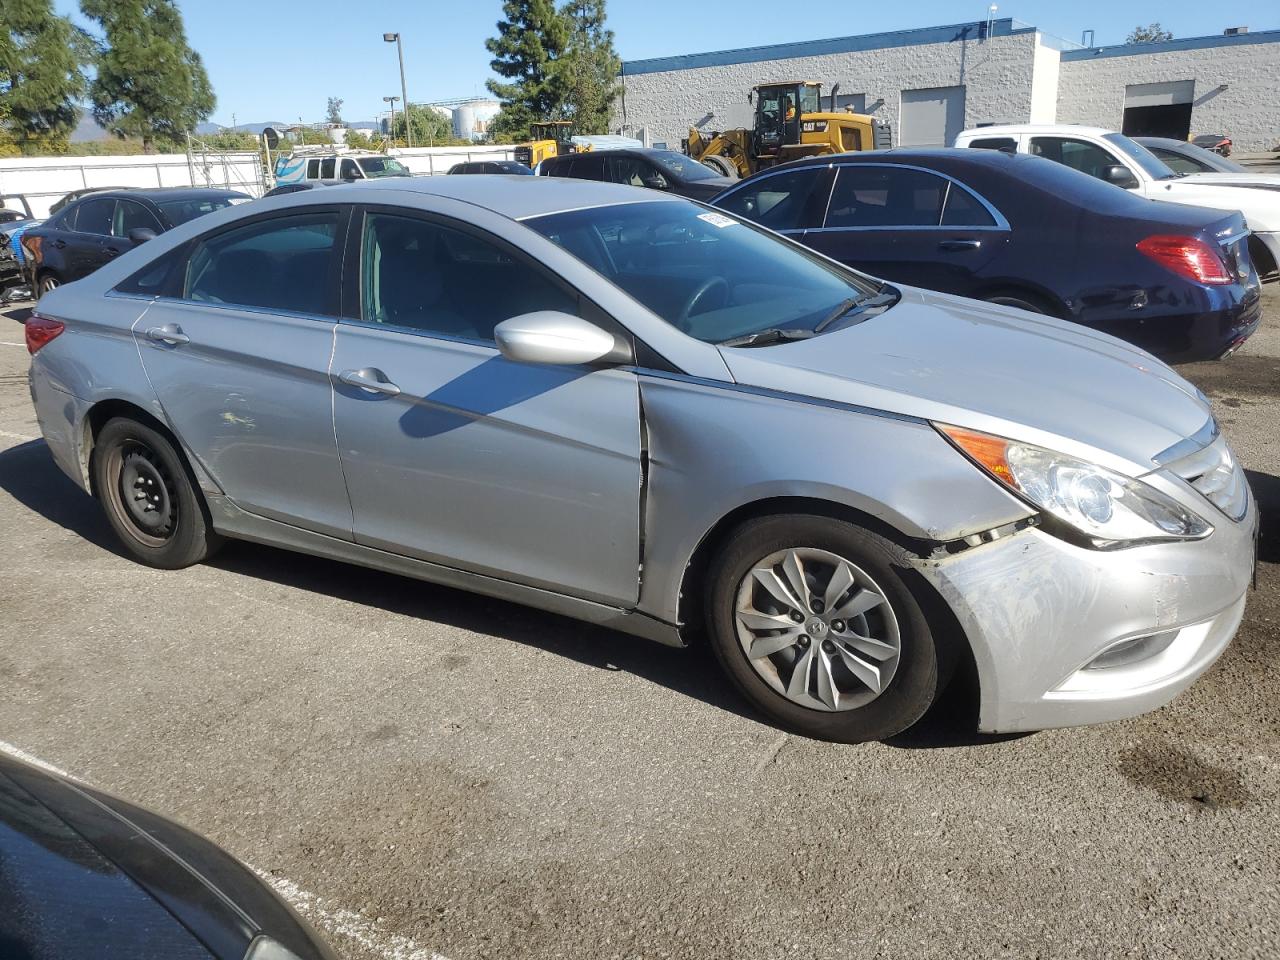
{"x": 1025, "y": 232}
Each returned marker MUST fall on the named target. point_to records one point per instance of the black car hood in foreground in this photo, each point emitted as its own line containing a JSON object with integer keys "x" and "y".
{"x": 85, "y": 876}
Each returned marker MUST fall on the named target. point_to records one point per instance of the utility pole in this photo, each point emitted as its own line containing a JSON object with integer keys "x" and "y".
{"x": 391, "y": 131}
{"x": 404, "y": 92}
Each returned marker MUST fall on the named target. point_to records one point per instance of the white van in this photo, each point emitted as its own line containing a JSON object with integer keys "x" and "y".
{"x": 305, "y": 164}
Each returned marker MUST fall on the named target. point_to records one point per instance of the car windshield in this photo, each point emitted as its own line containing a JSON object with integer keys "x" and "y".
{"x": 682, "y": 166}
{"x": 709, "y": 274}
{"x": 1152, "y": 165}
{"x": 375, "y": 167}
{"x": 179, "y": 212}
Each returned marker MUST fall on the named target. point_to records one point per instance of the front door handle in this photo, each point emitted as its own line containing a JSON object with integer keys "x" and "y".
{"x": 371, "y": 379}
{"x": 170, "y": 333}
{"x": 59, "y": 244}
{"x": 958, "y": 245}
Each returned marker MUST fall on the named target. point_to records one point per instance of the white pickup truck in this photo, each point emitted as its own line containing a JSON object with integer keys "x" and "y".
{"x": 1117, "y": 159}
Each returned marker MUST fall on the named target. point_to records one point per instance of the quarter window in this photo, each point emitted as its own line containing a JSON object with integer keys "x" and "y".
{"x": 963, "y": 209}
{"x": 280, "y": 264}
{"x": 94, "y": 216}
{"x": 425, "y": 276}
{"x": 1076, "y": 154}
{"x": 867, "y": 196}
{"x": 784, "y": 201}
{"x": 1003, "y": 144}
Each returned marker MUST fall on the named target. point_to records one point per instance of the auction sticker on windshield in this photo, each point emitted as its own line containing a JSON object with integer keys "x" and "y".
{"x": 717, "y": 219}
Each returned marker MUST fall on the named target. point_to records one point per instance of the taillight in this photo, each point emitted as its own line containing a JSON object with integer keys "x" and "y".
{"x": 1187, "y": 257}
{"x": 40, "y": 330}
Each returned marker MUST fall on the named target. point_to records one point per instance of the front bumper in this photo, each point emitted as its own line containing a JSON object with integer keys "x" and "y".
{"x": 1037, "y": 611}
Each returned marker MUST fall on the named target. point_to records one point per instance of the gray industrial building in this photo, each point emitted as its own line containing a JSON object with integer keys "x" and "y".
{"x": 931, "y": 83}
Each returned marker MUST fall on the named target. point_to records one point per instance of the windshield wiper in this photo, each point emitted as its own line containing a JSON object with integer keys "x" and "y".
{"x": 762, "y": 338}
{"x": 1173, "y": 175}
{"x": 857, "y": 308}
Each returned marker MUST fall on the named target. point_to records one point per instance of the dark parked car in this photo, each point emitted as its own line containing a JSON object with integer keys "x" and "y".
{"x": 87, "y": 876}
{"x": 74, "y": 195}
{"x": 641, "y": 167}
{"x": 299, "y": 185}
{"x": 97, "y": 228}
{"x": 1025, "y": 232}
{"x": 491, "y": 166}
{"x": 1183, "y": 157}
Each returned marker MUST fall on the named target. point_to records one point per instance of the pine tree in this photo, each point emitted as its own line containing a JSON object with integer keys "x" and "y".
{"x": 590, "y": 67}
{"x": 532, "y": 36}
{"x": 41, "y": 82}
{"x": 150, "y": 83}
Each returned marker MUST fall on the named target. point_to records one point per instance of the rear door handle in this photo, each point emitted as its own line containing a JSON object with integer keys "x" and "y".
{"x": 371, "y": 379}
{"x": 958, "y": 245}
{"x": 170, "y": 333}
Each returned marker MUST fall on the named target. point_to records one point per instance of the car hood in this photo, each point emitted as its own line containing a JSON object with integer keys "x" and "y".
{"x": 1256, "y": 198}
{"x": 1244, "y": 178}
{"x": 991, "y": 368}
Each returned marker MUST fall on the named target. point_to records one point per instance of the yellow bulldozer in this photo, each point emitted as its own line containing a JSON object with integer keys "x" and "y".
{"x": 550, "y": 138}
{"x": 789, "y": 123}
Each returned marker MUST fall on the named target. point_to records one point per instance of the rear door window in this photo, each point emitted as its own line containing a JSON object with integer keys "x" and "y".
{"x": 313, "y": 169}
{"x": 94, "y": 216}
{"x": 587, "y": 167}
{"x": 283, "y": 263}
{"x": 326, "y": 168}
{"x": 628, "y": 170}
{"x": 784, "y": 201}
{"x": 1003, "y": 144}
{"x": 869, "y": 196}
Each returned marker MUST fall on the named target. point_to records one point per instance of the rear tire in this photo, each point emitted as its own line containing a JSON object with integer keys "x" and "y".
{"x": 46, "y": 283}
{"x": 150, "y": 497}
{"x": 854, "y": 660}
{"x": 1010, "y": 300}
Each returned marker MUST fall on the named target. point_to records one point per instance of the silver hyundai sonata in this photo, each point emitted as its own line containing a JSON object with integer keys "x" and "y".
{"x": 638, "y": 411}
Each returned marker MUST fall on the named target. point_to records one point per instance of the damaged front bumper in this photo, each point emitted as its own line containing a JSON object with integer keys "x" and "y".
{"x": 1063, "y": 635}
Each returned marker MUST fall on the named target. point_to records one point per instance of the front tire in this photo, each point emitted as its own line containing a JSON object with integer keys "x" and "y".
{"x": 722, "y": 166}
{"x": 149, "y": 496}
{"x": 814, "y": 623}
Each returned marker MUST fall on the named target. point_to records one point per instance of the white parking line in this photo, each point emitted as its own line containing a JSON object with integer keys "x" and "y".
{"x": 329, "y": 917}
{"x": 10, "y": 343}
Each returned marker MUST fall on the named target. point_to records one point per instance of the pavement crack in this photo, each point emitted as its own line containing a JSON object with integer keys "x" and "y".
{"x": 771, "y": 756}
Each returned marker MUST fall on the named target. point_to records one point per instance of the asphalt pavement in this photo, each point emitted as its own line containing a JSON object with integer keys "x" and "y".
{"x": 427, "y": 773}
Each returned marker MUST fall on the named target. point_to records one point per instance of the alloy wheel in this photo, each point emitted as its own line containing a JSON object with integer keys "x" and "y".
{"x": 817, "y": 629}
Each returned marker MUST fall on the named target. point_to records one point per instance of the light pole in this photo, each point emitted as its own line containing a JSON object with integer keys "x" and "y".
{"x": 404, "y": 92}
{"x": 391, "y": 131}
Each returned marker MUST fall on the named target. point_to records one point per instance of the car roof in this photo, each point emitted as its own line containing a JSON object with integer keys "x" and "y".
{"x": 1009, "y": 129}
{"x": 169, "y": 193}
{"x": 905, "y": 155}
{"x": 512, "y": 195}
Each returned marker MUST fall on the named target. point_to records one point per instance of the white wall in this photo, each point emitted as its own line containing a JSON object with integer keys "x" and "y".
{"x": 427, "y": 161}
{"x": 1044, "y": 83}
{"x": 997, "y": 75}
{"x": 1092, "y": 91}
{"x": 45, "y": 179}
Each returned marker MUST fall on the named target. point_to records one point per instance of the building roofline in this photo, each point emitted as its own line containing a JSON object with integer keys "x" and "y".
{"x": 973, "y": 30}
{"x": 1164, "y": 46}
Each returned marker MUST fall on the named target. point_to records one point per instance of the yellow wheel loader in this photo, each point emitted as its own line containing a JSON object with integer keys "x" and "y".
{"x": 789, "y": 123}
{"x": 552, "y": 138}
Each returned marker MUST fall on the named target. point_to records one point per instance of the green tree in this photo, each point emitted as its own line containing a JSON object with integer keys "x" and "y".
{"x": 429, "y": 126}
{"x": 333, "y": 110}
{"x": 589, "y": 68}
{"x": 532, "y": 35}
{"x": 41, "y": 83}
{"x": 150, "y": 83}
{"x": 1148, "y": 34}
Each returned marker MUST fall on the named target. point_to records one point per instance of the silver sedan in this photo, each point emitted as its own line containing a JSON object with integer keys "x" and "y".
{"x": 638, "y": 411}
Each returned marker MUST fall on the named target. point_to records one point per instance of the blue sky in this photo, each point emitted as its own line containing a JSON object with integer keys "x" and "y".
{"x": 280, "y": 60}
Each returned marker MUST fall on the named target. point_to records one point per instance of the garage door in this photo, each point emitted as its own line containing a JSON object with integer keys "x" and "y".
{"x": 1159, "y": 109}
{"x": 931, "y": 117}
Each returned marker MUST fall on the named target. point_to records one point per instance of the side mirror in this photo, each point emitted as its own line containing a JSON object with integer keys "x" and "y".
{"x": 656, "y": 182}
{"x": 141, "y": 234}
{"x": 549, "y": 336}
{"x": 1120, "y": 175}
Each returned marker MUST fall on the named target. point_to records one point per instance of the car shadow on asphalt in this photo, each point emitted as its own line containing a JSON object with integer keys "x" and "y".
{"x": 18, "y": 314}
{"x": 1266, "y": 490}
{"x": 29, "y": 475}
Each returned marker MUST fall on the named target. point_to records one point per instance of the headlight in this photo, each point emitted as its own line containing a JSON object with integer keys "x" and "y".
{"x": 1107, "y": 509}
